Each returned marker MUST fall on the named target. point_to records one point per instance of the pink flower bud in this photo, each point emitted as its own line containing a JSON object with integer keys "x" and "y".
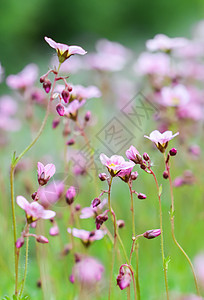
{"x": 55, "y": 123}
{"x": 65, "y": 95}
{"x": 96, "y": 202}
{"x": 102, "y": 176}
{"x": 165, "y": 175}
{"x": 47, "y": 85}
{"x": 134, "y": 175}
{"x": 141, "y": 196}
{"x": 78, "y": 207}
{"x": 120, "y": 223}
{"x": 70, "y": 142}
{"x": 70, "y": 195}
{"x": 54, "y": 230}
{"x": 87, "y": 116}
{"x": 124, "y": 278}
{"x": 20, "y": 242}
{"x": 151, "y": 234}
{"x": 100, "y": 219}
{"x": 146, "y": 156}
{"x": 42, "y": 239}
{"x": 60, "y": 109}
{"x": 173, "y": 152}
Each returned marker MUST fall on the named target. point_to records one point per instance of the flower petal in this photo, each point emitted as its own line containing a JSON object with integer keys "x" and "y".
{"x": 22, "y": 202}
{"x": 76, "y": 50}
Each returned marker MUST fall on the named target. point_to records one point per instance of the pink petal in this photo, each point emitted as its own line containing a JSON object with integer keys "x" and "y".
{"x": 41, "y": 168}
{"x": 104, "y": 159}
{"x": 52, "y": 43}
{"x": 48, "y": 214}
{"x": 22, "y": 202}
{"x": 76, "y": 50}
{"x": 49, "y": 170}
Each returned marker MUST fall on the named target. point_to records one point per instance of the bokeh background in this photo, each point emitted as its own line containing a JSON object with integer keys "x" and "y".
{"x": 23, "y": 25}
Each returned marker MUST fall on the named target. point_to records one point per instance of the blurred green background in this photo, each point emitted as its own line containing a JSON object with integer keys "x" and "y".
{"x": 23, "y": 24}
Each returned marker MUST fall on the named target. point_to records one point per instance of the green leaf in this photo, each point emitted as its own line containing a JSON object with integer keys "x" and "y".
{"x": 15, "y": 297}
{"x": 167, "y": 261}
{"x": 13, "y": 158}
{"x": 6, "y": 298}
{"x": 160, "y": 190}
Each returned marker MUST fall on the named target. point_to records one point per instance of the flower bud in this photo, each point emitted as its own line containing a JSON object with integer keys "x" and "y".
{"x": 87, "y": 116}
{"x": 65, "y": 95}
{"x": 134, "y": 175}
{"x": 146, "y": 156}
{"x": 100, "y": 219}
{"x": 120, "y": 223}
{"x": 20, "y": 242}
{"x": 141, "y": 196}
{"x": 47, "y": 85}
{"x": 151, "y": 234}
{"x": 96, "y": 202}
{"x": 165, "y": 175}
{"x": 60, "y": 109}
{"x": 173, "y": 152}
{"x": 54, "y": 230}
{"x": 55, "y": 123}
{"x": 102, "y": 176}
{"x": 70, "y": 142}
{"x": 70, "y": 195}
{"x": 42, "y": 239}
{"x": 78, "y": 207}
{"x": 35, "y": 196}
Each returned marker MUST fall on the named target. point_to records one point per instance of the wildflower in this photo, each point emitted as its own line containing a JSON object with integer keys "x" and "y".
{"x": 164, "y": 43}
{"x": 51, "y": 193}
{"x": 64, "y": 51}
{"x": 174, "y": 96}
{"x": 88, "y": 212}
{"x": 115, "y": 164}
{"x": 151, "y": 234}
{"x": 87, "y": 237}
{"x": 24, "y": 79}
{"x": 87, "y": 271}
{"x": 161, "y": 139}
{"x": 45, "y": 173}
{"x": 34, "y": 210}
{"x": 133, "y": 154}
{"x": 71, "y": 111}
{"x": 70, "y": 195}
{"x": 124, "y": 278}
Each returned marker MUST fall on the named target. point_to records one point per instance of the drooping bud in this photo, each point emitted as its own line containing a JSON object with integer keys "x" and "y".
{"x": 173, "y": 152}
{"x": 134, "y": 175}
{"x": 151, "y": 234}
{"x": 124, "y": 278}
{"x": 70, "y": 195}
{"x": 165, "y": 175}
{"x": 65, "y": 95}
{"x": 120, "y": 223}
{"x": 60, "y": 109}
{"x": 42, "y": 239}
{"x": 47, "y": 85}
{"x": 20, "y": 242}
{"x": 141, "y": 196}
{"x": 96, "y": 202}
{"x": 78, "y": 207}
{"x": 87, "y": 116}
{"x": 100, "y": 219}
{"x": 55, "y": 123}
{"x": 146, "y": 156}
{"x": 102, "y": 176}
{"x": 35, "y": 196}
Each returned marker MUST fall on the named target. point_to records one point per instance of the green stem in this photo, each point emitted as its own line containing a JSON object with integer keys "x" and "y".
{"x": 162, "y": 237}
{"x": 173, "y": 227}
{"x": 135, "y": 243}
{"x": 26, "y": 262}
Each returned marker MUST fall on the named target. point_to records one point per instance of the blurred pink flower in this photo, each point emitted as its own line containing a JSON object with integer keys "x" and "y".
{"x": 64, "y": 51}
{"x": 199, "y": 268}
{"x": 24, "y": 79}
{"x": 124, "y": 278}
{"x": 88, "y": 212}
{"x": 161, "y": 139}
{"x": 192, "y": 111}
{"x": 70, "y": 195}
{"x": 115, "y": 164}
{"x": 87, "y": 237}
{"x": 164, "y": 43}
{"x": 174, "y": 96}
{"x": 87, "y": 271}
{"x": 153, "y": 63}
{"x": 45, "y": 173}
{"x": 34, "y": 210}
{"x": 8, "y": 106}
{"x": 50, "y": 194}
{"x": 71, "y": 111}
{"x": 81, "y": 92}
{"x": 54, "y": 230}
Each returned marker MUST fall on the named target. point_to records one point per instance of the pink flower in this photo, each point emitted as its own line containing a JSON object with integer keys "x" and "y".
{"x": 81, "y": 92}
{"x": 115, "y": 164}
{"x": 87, "y": 237}
{"x": 161, "y": 139}
{"x": 153, "y": 63}
{"x": 174, "y": 96}
{"x": 54, "y": 230}
{"x": 64, "y": 51}
{"x": 124, "y": 278}
{"x": 34, "y": 210}
{"x": 24, "y": 79}
{"x": 71, "y": 111}
{"x": 164, "y": 43}
{"x": 199, "y": 267}
{"x": 45, "y": 173}
{"x": 133, "y": 154}
{"x": 87, "y": 271}
{"x": 51, "y": 193}
{"x": 70, "y": 195}
{"x": 88, "y": 212}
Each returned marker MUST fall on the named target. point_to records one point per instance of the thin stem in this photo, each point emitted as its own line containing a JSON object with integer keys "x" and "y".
{"x": 162, "y": 238}
{"x": 26, "y": 261}
{"x": 136, "y": 244}
{"x": 173, "y": 226}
